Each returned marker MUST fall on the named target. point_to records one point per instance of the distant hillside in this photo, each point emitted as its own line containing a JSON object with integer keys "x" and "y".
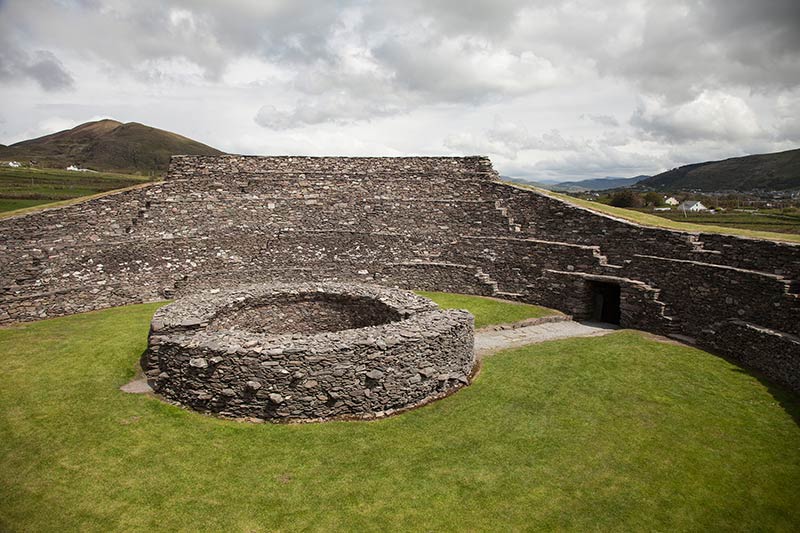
{"x": 107, "y": 145}
{"x": 541, "y": 184}
{"x": 778, "y": 171}
{"x": 599, "y": 184}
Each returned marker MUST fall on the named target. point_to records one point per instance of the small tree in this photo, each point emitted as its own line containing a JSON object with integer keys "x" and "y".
{"x": 654, "y": 199}
{"x": 626, "y": 198}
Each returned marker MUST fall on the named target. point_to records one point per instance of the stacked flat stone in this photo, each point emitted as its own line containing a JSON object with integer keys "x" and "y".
{"x": 430, "y": 223}
{"x": 409, "y": 353}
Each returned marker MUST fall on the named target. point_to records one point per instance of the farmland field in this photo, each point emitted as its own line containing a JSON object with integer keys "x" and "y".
{"x": 762, "y": 220}
{"x": 28, "y": 187}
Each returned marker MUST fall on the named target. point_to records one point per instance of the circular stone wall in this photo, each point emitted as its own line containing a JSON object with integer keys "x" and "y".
{"x": 307, "y": 351}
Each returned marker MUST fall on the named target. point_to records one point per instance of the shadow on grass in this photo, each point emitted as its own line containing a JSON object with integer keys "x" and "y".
{"x": 789, "y": 401}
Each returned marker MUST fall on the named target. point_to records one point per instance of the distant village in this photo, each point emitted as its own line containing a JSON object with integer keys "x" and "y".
{"x": 73, "y": 168}
{"x": 694, "y": 202}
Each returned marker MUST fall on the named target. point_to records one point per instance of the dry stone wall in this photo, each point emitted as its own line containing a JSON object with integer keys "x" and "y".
{"x": 364, "y": 351}
{"x": 429, "y": 223}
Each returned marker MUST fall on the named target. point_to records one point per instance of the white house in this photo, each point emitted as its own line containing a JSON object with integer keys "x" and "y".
{"x": 671, "y": 201}
{"x": 692, "y": 206}
{"x": 78, "y": 169}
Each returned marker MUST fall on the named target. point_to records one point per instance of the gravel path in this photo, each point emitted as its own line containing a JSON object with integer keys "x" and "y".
{"x": 487, "y": 342}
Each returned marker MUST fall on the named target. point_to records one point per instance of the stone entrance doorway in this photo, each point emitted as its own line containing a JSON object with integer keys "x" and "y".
{"x": 605, "y": 302}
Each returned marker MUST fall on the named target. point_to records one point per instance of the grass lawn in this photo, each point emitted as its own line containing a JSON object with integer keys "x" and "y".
{"x": 595, "y": 434}
{"x": 28, "y": 187}
{"x": 488, "y": 311}
{"x": 647, "y": 219}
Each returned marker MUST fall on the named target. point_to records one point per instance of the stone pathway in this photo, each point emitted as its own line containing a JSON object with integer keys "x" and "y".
{"x": 487, "y": 342}
{"x": 138, "y": 386}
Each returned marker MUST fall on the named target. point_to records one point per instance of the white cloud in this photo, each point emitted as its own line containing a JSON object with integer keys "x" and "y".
{"x": 465, "y": 69}
{"x": 712, "y": 115}
{"x": 330, "y": 108}
{"x": 251, "y": 70}
{"x": 787, "y": 123}
{"x": 508, "y": 138}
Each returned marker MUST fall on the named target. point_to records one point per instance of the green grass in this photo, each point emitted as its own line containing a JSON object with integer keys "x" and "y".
{"x": 616, "y": 433}
{"x": 488, "y": 311}
{"x": 28, "y": 187}
{"x": 13, "y": 205}
{"x": 661, "y": 222}
{"x": 759, "y": 221}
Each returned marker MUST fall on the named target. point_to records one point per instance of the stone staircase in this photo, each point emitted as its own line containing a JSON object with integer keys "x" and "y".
{"x": 496, "y": 292}
{"x": 698, "y": 246}
{"x": 503, "y": 210}
{"x": 486, "y": 279}
{"x": 664, "y": 312}
{"x": 508, "y": 295}
{"x": 602, "y": 260}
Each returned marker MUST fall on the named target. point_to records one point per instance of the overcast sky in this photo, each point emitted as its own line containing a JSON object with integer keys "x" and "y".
{"x": 548, "y": 89}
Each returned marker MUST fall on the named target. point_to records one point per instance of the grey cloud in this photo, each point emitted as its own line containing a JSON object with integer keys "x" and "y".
{"x": 517, "y": 138}
{"x": 554, "y": 141}
{"x": 207, "y": 33}
{"x": 692, "y": 46}
{"x": 776, "y": 21}
{"x": 462, "y": 70}
{"x": 301, "y": 35}
{"x": 339, "y": 109}
{"x": 488, "y": 18}
{"x": 674, "y": 49}
{"x": 701, "y": 71}
{"x": 42, "y": 66}
{"x": 507, "y": 139}
{"x": 593, "y": 162}
{"x": 598, "y": 162}
{"x": 789, "y": 130}
{"x": 418, "y": 68}
{"x": 48, "y": 71}
{"x": 296, "y": 32}
{"x": 603, "y": 120}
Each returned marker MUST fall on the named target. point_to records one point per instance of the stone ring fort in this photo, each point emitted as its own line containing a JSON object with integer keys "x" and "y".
{"x": 428, "y": 223}
{"x": 308, "y": 351}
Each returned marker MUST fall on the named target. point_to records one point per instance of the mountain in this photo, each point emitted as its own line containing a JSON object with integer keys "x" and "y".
{"x": 778, "y": 171}
{"x": 107, "y": 145}
{"x": 598, "y": 184}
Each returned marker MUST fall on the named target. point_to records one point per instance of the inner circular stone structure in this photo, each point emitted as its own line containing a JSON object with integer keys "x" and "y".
{"x": 307, "y": 351}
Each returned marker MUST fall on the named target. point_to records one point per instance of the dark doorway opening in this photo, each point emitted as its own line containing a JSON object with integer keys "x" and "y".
{"x": 605, "y": 302}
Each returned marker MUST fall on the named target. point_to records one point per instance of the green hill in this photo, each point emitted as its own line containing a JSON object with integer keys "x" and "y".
{"x": 598, "y": 184}
{"x": 778, "y": 171}
{"x": 109, "y": 146}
